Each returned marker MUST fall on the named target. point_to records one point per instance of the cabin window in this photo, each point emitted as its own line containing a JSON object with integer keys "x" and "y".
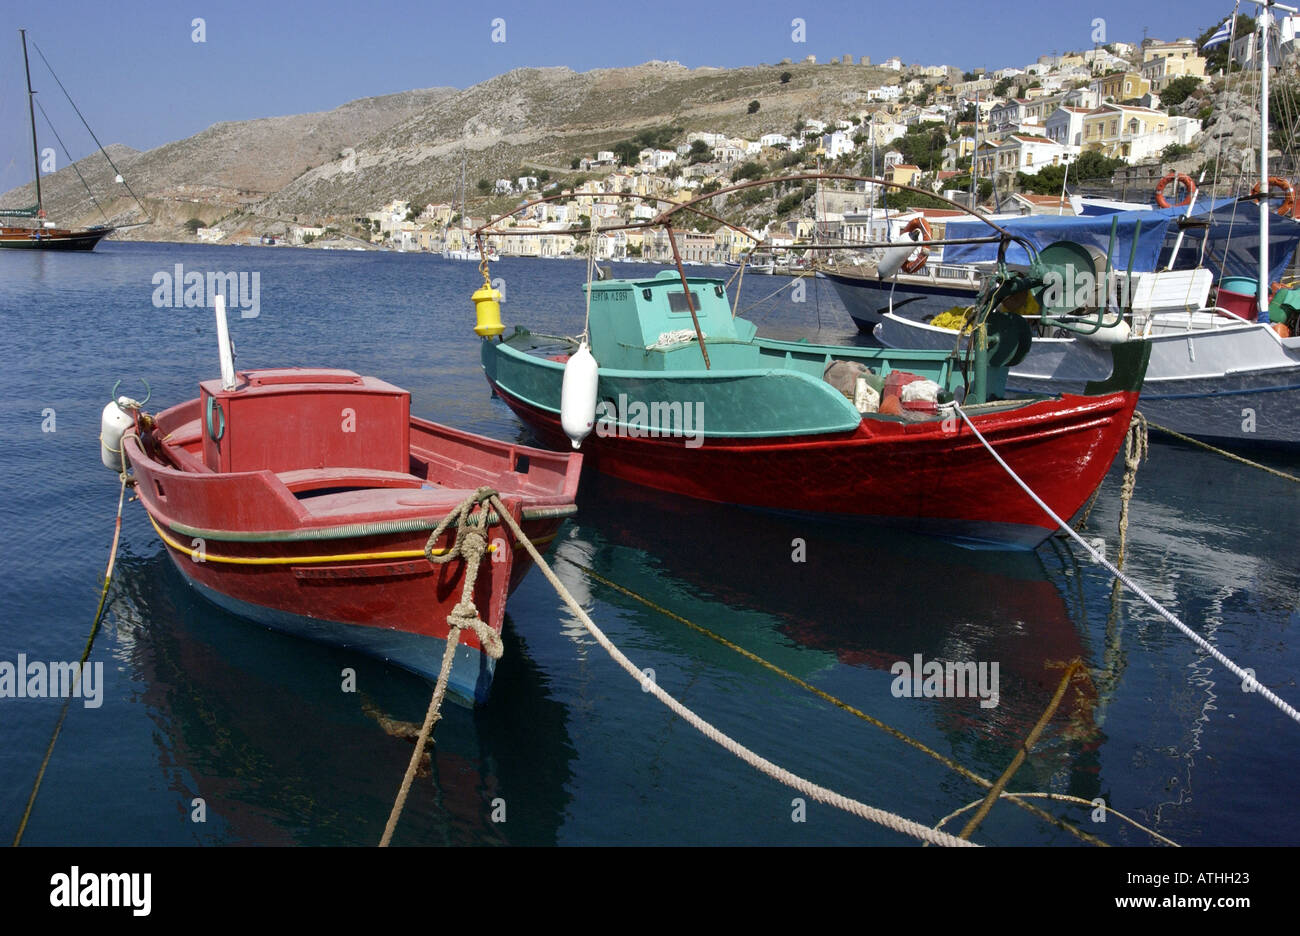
{"x": 677, "y": 301}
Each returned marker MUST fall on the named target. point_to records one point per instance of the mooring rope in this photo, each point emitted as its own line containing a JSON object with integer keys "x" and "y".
{"x": 819, "y": 793}
{"x": 907, "y": 739}
{"x": 76, "y": 679}
{"x": 1064, "y": 798}
{"x": 1087, "y": 510}
{"x": 1135, "y": 450}
{"x": 470, "y": 544}
{"x": 1248, "y": 680}
{"x": 1022, "y": 753}
{"x": 1226, "y": 454}
{"x": 772, "y": 294}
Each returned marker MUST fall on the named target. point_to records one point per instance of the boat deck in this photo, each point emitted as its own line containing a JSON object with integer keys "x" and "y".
{"x": 436, "y": 482}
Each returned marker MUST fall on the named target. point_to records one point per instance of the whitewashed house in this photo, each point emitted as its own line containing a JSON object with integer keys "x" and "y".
{"x": 1065, "y": 125}
{"x": 1029, "y": 154}
{"x": 837, "y": 144}
{"x": 1009, "y": 113}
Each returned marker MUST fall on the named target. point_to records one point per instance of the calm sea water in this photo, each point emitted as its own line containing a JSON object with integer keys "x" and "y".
{"x": 200, "y": 704}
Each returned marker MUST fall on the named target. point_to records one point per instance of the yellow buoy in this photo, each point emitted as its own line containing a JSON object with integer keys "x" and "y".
{"x": 487, "y": 309}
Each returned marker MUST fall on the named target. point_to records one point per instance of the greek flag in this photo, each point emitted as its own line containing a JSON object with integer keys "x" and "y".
{"x": 1220, "y": 35}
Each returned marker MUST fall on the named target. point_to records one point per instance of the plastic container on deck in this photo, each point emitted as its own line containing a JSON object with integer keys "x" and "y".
{"x": 1242, "y": 285}
{"x": 1239, "y": 304}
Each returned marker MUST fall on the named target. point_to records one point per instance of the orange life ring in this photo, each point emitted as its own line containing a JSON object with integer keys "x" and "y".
{"x": 1288, "y": 192}
{"x": 1184, "y": 180}
{"x": 916, "y": 262}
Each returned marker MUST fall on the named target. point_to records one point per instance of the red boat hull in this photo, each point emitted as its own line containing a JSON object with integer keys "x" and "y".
{"x": 337, "y": 554}
{"x": 918, "y": 474}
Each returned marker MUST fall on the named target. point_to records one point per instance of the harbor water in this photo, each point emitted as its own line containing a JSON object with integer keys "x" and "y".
{"x": 209, "y": 730}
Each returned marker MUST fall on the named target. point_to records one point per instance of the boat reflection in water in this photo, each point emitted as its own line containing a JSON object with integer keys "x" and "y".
{"x": 861, "y": 600}
{"x": 258, "y": 724}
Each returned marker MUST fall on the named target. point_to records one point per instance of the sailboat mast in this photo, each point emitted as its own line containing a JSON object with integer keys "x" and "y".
{"x": 975, "y": 159}
{"x": 31, "y": 114}
{"x": 1265, "y": 21}
{"x": 1264, "y": 207}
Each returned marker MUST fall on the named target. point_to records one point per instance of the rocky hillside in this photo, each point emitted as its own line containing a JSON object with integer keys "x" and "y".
{"x": 226, "y": 168}
{"x": 253, "y": 174}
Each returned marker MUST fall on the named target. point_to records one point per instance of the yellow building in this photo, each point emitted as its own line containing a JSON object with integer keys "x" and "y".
{"x": 732, "y": 244}
{"x": 1121, "y": 86}
{"x": 1110, "y": 128}
{"x": 1182, "y": 50}
{"x": 1163, "y": 63}
{"x": 903, "y": 174}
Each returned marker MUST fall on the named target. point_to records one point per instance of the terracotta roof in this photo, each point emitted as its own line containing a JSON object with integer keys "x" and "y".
{"x": 907, "y": 166}
{"x": 1030, "y": 139}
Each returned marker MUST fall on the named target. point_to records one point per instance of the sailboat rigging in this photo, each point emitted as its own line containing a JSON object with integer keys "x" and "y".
{"x": 45, "y": 235}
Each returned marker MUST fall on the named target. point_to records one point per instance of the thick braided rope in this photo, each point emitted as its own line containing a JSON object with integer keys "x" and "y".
{"x": 469, "y": 544}
{"x": 1248, "y": 681}
{"x": 1135, "y": 450}
{"x": 430, "y": 717}
{"x": 814, "y": 791}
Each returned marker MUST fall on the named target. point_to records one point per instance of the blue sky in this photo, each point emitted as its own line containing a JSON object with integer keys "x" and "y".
{"x": 134, "y": 70}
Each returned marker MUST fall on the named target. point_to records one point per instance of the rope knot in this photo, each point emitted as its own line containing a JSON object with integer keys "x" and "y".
{"x": 470, "y": 543}
{"x": 467, "y": 519}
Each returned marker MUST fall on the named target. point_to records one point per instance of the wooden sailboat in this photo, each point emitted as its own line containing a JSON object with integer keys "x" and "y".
{"x": 44, "y": 234}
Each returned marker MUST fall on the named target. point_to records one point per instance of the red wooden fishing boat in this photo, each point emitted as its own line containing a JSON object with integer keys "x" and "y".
{"x": 304, "y": 499}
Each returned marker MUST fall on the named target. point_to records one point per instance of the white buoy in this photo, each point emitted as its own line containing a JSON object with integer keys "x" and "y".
{"x": 223, "y": 344}
{"x": 578, "y": 395}
{"x": 112, "y": 426}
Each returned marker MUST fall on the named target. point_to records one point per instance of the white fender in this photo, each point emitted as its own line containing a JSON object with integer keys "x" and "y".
{"x": 112, "y": 426}
{"x": 1110, "y": 334}
{"x": 578, "y": 395}
{"x": 892, "y": 261}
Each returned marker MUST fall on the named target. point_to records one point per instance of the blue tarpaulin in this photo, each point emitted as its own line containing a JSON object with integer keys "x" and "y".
{"x": 1232, "y": 248}
{"x": 1094, "y": 231}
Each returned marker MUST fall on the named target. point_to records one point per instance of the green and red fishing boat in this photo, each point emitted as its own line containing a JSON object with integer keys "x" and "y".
{"x": 689, "y": 399}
